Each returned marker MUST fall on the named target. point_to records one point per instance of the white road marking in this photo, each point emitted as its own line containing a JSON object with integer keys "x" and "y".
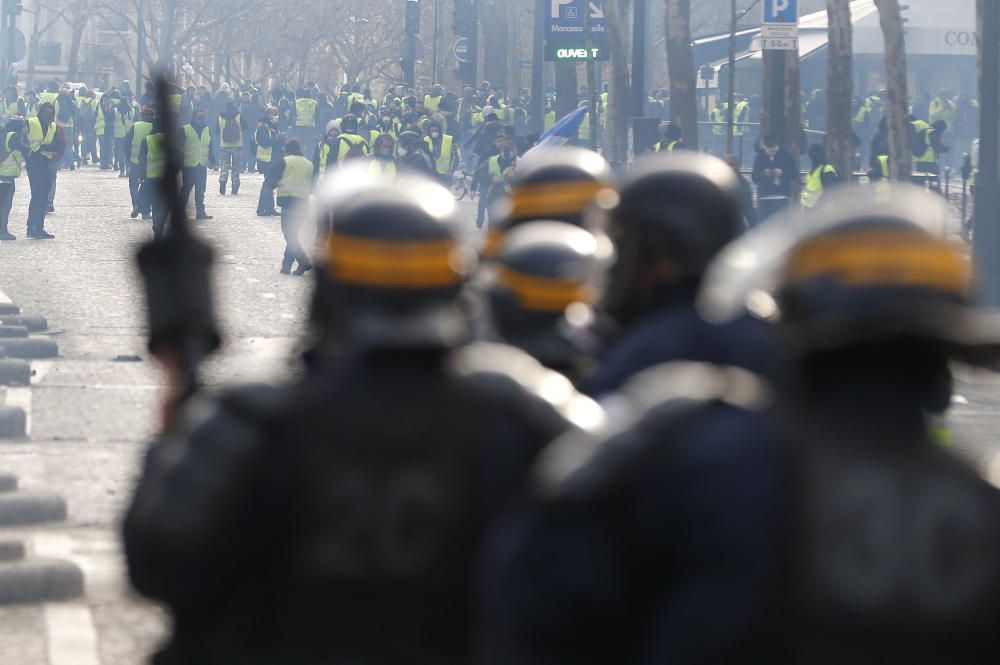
{"x": 4, "y": 300}
{"x": 72, "y": 637}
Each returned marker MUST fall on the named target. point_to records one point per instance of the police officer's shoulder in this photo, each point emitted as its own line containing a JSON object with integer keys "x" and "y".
{"x": 510, "y": 375}
{"x": 650, "y": 411}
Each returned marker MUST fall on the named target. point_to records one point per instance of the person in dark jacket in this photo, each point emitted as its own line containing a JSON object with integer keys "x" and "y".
{"x": 774, "y": 173}
{"x": 413, "y": 154}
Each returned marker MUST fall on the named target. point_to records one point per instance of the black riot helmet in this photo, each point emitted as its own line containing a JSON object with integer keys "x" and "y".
{"x": 556, "y": 184}
{"x": 395, "y": 265}
{"x": 669, "y": 221}
{"x": 543, "y": 287}
{"x": 861, "y": 272}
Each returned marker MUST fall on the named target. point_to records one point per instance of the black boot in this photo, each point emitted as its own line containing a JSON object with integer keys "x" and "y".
{"x": 222, "y": 187}
{"x": 304, "y": 267}
{"x": 42, "y": 234}
{"x": 236, "y": 187}
{"x": 134, "y": 213}
{"x": 286, "y": 266}
{"x": 201, "y": 214}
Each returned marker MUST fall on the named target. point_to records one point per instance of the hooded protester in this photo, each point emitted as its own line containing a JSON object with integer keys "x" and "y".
{"x": 47, "y": 143}
{"x": 412, "y": 154}
{"x": 327, "y": 151}
{"x": 384, "y": 156}
{"x": 268, "y": 140}
{"x": 230, "y": 148}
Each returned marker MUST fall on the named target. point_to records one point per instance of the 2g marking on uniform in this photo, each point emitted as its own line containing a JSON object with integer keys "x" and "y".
{"x": 379, "y": 523}
{"x": 883, "y": 545}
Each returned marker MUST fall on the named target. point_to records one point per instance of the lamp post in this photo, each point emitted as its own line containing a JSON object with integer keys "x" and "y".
{"x": 987, "y": 240}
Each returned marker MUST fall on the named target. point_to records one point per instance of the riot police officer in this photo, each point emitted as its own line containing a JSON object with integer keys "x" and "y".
{"x": 556, "y": 184}
{"x": 812, "y": 520}
{"x": 337, "y": 519}
{"x": 674, "y": 214}
{"x": 542, "y": 293}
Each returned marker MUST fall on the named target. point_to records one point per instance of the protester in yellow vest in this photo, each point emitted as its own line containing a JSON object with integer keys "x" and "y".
{"x": 133, "y": 144}
{"x": 292, "y": 178}
{"x": 305, "y": 127}
{"x": 197, "y": 158}
{"x": 942, "y": 108}
{"x": 230, "y": 148}
{"x": 13, "y": 104}
{"x": 433, "y": 101}
{"x": 14, "y": 148}
{"x": 441, "y": 146}
{"x": 671, "y": 138}
{"x": 47, "y": 143}
{"x": 268, "y": 148}
{"x": 153, "y": 166}
{"x": 383, "y": 156}
{"x": 822, "y": 176}
{"x": 327, "y": 151}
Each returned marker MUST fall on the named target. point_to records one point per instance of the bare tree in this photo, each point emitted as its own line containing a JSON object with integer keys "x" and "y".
{"x": 680, "y": 61}
{"x": 895, "y": 73}
{"x": 616, "y": 129}
{"x": 839, "y": 86}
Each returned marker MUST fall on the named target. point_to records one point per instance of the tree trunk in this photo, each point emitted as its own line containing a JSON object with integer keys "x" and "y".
{"x": 566, "y": 88}
{"x": 494, "y": 34}
{"x": 895, "y": 74}
{"x": 513, "y": 82}
{"x": 839, "y": 87}
{"x": 792, "y": 140}
{"x": 616, "y": 115}
{"x": 680, "y": 62}
{"x": 32, "y": 53}
{"x": 79, "y": 25}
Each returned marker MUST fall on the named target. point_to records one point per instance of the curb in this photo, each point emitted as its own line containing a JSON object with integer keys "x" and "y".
{"x": 30, "y": 348}
{"x": 13, "y": 422}
{"x": 12, "y": 332}
{"x": 32, "y": 323}
{"x": 14, "y": 372}
{"x": 38, "y": 580}
{"x": 11, "y": 550}
{"x": 31, "y": 507}
{"x": 7, "y": 308}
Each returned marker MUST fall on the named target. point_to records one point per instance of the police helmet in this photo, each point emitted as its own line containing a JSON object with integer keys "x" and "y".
{"x": 861, "y": 271}
{"x": 670, "y": 219}
{"x": 349, "y": 123}
{"x": 553, "y": 184}
{"x": 395, "y": 265}
{"x": 544, "y": 285}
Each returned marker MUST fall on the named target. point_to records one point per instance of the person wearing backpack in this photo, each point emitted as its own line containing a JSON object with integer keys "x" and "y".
{"x": 352, "y": 145}
{"x": 66, "y": 114}
{"x": 12, "y": 152}
{"x": 86, "y": 122}
{"x": 267, "y": 138}
{"x": 230, "y": 148}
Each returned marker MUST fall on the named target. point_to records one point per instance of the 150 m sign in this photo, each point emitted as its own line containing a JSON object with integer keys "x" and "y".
{"x": 565, "y": 30}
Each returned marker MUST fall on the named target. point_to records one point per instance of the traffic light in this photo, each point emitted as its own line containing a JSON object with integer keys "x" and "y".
{"x": 12, "y": 7}
{"x": 412, "y": 25}
{"x": 463, "y": 19}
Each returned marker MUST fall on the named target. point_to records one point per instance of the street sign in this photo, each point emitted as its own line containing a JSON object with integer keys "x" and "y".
{"x": 461, "y": 49}
{"x": 13, "y": 46}
{"x": 410, "y": 48}
{"x": 780, "y": 28}
{"x": 781, "y": 11}
{"x": 565, "y": 26}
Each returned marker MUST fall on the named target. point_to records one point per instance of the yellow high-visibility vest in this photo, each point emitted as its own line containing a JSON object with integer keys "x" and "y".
{"x": 305, "y": 112}
{"x": 196, "y": 146}
{"x": 432, "y": 103}
{"x": 663, "y": 146}
{"x": 156, "y": 155}
{"x": 296, "y": 180}
{"x": 443, "y": 164}
{"x": 382, "y": 167}
{"x": 813, "y": 190}
{"x": 12, "y": 166}
{"x": 35, "y": 136}
{"x": 140, "y": 130}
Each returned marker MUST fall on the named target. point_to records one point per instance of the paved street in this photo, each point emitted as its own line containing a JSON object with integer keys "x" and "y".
{"x": 93, "y": 406}
{"x": 90, "y": 414}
